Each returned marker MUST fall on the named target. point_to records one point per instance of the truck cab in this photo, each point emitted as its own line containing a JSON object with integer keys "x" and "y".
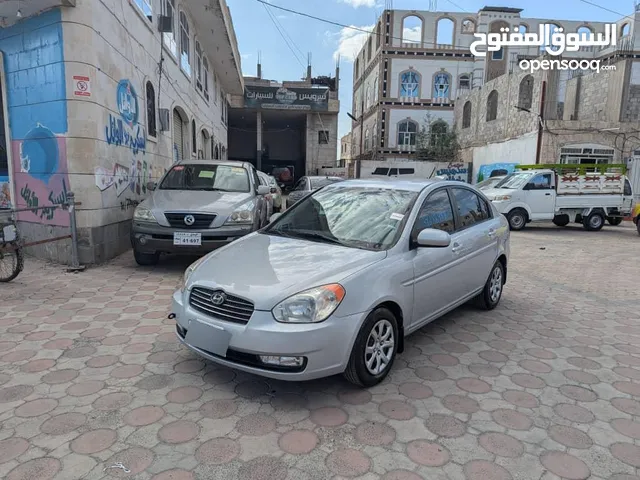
{"x": 590, "y": 198}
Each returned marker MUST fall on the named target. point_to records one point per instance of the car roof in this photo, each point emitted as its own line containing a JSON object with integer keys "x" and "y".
{"x": 229, "y": 163}
{"x": 410, "y": 184}
{"x": 320, "y": 177}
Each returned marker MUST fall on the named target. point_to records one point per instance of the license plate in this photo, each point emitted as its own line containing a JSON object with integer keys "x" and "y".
{"x": 187, "y": 238}
{"x": 210, "y": 338}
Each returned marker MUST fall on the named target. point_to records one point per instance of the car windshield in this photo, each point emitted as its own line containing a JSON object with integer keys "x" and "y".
{"x": 359, "y": 217}
{"x": 514, "y": 180}
{"x": 317, "y": 183}
{"x": 225, "y": 178}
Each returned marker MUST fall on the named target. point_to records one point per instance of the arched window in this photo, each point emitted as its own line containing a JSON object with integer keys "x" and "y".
{"x": 224, "y": 153}
{"x": 198, "y": 66}
{"x": 407, "y": 131}
{"x": 625, "y": 30}
{"x": 378, "y": 34}
{"x": 179, "y": 136}
{"x": 553, "y": 28}
{"x": 204, "y": 151}
{"x": 466, "y": 115}
{"x": 151, "y": 110}
{"x": 375, "y": 90}
{"x": 193, "y": 136}
{"x": 357, "y": 67}
{"x": 216, "y": 153}
{"x": 525, "y": 92}
{"x": 468, "y": 26}
{"x": 412, "y": 30}
{"x": 523, "y": 28}
{"x": 464, "y": 81}
{"x": 205, "y": 77}
{"x": 366, "y": 140}
{"x": 169, "y": 12}
{"x": 445, "y": 32}
{"x": 492, "y": 106}
{"x": 585, "y": 32}
{"x": 369, "y": 49}
{"x": 410, "y": 84}
{"x": 441, "y": 85}
{"x": 437, "y": 133}
{"x": 495, "y": 28}
{"x": 185, "y": 50}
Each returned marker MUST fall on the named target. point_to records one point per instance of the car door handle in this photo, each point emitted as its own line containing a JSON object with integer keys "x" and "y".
{"x": 456, "y": 247}
{"x": 547, "y": 194}
{"x": 491, "y": 233}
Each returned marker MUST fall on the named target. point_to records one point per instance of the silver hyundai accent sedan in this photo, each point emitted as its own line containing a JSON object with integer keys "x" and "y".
{"x": 335, "y": 283}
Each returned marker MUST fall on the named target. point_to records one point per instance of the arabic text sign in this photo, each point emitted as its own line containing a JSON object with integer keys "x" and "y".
{"x": 555, "y": 43}
{"x": 315, "y": 99}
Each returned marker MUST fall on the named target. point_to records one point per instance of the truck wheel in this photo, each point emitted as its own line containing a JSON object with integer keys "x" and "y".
{"x": 146, "y": 259}
{"x": 594, "y": 222}
{"x": 561, "y": 220}
{"x": 615, "y": 221}
{"x": 517, "y": 219}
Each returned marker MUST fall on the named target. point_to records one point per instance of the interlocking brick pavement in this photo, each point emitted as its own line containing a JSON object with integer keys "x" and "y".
{"x": 546, "y": 386}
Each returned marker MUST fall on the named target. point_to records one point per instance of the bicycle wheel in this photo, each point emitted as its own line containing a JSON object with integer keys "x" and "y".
{"x": 11, "y": 263}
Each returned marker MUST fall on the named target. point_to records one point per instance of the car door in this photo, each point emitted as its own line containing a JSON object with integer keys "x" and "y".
{"x": 436, "y": 277}
{"x": 476, "y": 243}
{"x": 540, "y": 195}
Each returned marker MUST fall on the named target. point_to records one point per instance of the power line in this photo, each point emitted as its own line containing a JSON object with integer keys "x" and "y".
{"x": 606, "y": 9}
{"x": 455, "y": 4}
{"x": 275, "y": 18}
{"x": 264, "y": 4}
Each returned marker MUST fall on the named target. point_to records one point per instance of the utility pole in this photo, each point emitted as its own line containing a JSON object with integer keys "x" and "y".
{"x": 358, "y": 165}
{"x": 541, "y": 122}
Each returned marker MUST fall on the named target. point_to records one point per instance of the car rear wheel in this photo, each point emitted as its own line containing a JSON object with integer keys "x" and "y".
{"x": 594, "y": 222}
{"x": 492, "y": 292}
{"x": 561, "y": 220}
{"x": 146, "y": 259}
{"x": 374, "y": 349}
{"x": 517, "y": 219}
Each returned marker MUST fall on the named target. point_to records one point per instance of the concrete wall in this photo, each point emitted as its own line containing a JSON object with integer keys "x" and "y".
{"x": 118, "y": 49}
{"x": 317, "y": 154}
{"x": 520, "y": 150}
{"x": 453, "y": 171}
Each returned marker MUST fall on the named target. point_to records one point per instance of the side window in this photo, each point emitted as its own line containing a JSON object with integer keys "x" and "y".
{"x": 393, "y": 171}
{"x": 380, "y": 171}
{"x": 262, "y": 180}
{"x": 540, "y": 182}
{"x": 301, "y": 184}
{"x": 436, "y": 212}
{"x": 256, "y": 178}
{"x": 471, "y": 208}
{"x": 406, "y": 171}
{"x": 627, "y": 188}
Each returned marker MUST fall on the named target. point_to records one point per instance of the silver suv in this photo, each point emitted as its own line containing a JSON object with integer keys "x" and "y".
{"x": 197, "y": 207}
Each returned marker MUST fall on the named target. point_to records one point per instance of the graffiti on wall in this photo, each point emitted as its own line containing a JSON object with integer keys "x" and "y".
{"x": 455, "y": 171}
{"x": 495, "y": 169}
{"x": 125, "y": 131}
{"x": 34, "y": 70}
{"x": 5, "y": 192}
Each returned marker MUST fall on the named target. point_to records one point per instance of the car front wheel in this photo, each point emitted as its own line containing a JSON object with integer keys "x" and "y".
{"x": 517, "y": 219}
{"x": 374, "y": 350}
{"x": 492, "y": 292}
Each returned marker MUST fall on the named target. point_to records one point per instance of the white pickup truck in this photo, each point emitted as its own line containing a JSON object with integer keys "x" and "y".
{"x": 590, "y": 198}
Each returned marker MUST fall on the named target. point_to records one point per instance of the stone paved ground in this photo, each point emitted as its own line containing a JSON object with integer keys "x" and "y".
{"x": 546, "y": 386}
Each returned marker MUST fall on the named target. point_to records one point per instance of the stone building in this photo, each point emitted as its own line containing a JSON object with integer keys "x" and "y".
{"x": 287, "y": 129}
{"x": 415, "y": 64}
{"x": 101, "y": 98}
{"x": 347, "y": 148}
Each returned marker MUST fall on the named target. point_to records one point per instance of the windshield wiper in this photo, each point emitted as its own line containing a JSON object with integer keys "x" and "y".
{"x": 316, "y": 236}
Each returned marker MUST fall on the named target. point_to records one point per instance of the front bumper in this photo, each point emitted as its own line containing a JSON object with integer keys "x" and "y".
{"x": 326, "y": 346}
{"x": 152, "y": 238}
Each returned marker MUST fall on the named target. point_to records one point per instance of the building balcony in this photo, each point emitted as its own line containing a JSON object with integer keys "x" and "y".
{"x": 12, "y": 11}
{"x": 214, "y": 28}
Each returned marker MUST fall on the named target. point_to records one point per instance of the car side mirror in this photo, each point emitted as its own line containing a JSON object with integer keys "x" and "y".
{"x": 263, "y": 190}
{"x": 274, "y": 217}
{"x": 151, "y": 186}
{"x": 274, "y": 190}
{"x": 432, "y": 238}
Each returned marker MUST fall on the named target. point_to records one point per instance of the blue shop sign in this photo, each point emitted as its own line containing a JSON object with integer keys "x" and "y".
{"x": 127, "y": 102}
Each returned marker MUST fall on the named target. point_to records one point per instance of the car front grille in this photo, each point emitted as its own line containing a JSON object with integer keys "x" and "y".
{"x": 201, "y": 220}
{"x": 233, "y": 309}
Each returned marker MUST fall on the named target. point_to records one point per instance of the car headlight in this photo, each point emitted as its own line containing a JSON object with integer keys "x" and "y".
{"x": 242, "y": 214}
{"x": 142, "y": 214}
{"x": 310, "y": 306}
{"x": 189, "y": 271}
{"x": 500, "y": 198}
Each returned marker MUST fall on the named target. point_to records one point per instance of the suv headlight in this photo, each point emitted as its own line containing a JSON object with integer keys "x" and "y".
{"x": 142, "y": 214}
{"x": 189, "y": 271}
{"x": 243, "y": 214}
{"x": 310, "y": 306}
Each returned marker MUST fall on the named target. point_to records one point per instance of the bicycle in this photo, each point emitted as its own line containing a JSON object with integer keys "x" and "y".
{"x": 11, "y": 253}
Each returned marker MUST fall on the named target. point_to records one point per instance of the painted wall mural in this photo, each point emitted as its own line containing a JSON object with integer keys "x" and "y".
{"x": 37, "y": 107}
{"x": 126, "y": 131}
{"x": 494, "y": 169}
{"x": 455, "y": 171}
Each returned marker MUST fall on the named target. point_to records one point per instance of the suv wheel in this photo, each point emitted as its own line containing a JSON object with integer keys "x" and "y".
{"x": 146, "y": 259}
{"x": 374, "y": 349}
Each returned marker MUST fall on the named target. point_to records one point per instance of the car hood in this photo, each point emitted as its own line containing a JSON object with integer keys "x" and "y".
{"x": 492, "y": 193}
{"x": 196, "y": 200}
{"x": 266, "y": 269}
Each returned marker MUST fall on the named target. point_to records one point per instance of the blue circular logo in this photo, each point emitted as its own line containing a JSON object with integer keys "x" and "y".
{"x": 127, "y": 102}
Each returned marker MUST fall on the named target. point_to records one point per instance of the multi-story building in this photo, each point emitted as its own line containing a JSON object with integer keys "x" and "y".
{"x": 347, "y": 148}
{"x": 415, "y": 64}
{"x": 100, "y": 98}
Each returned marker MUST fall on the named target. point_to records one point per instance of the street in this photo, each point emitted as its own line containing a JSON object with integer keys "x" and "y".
{"x": 95, "y": 385}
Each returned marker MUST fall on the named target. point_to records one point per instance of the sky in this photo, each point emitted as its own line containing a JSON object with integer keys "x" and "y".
{"x": 257, "y": 33}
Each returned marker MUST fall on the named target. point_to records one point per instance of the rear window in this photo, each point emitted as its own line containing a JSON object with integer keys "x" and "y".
{"x": 321, "y": 182}
{"x": 381, "y": 171}
{"x": 224, "y": 178}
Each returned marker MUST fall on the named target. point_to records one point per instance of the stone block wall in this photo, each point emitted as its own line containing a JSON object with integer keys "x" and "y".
{"x": 318, "y": 154}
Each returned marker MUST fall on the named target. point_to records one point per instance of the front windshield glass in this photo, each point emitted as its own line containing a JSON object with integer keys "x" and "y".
{"x": 359, "y": 217}
{"x": 514, "y": 180}
{"x": 224, "y": 178}
{"x": 316, "y": 183}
